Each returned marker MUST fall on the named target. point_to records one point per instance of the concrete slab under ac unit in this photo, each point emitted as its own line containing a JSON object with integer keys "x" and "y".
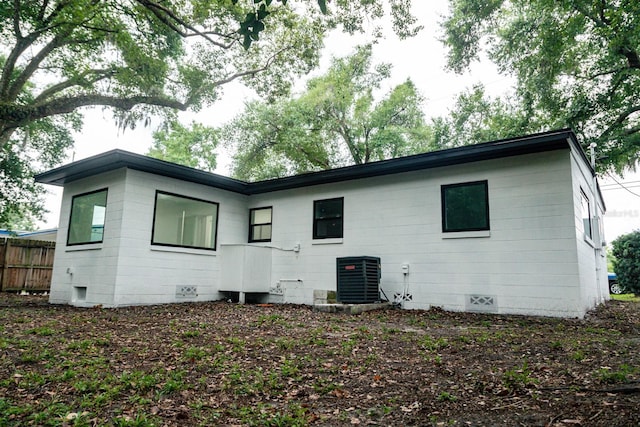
{"x": 350, "y": 308}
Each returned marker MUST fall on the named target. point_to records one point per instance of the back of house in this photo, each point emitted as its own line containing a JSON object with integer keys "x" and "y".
{"x": 510, "y": 226}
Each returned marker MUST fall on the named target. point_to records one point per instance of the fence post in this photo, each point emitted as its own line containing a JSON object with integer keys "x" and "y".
{"x": 5, "y": 265}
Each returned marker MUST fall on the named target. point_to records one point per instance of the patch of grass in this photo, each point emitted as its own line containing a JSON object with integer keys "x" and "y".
{"x": 556, "y": 345}
{"x": 431, "y": 344}
{"x": 519, "y": 378}
{"x": 192, "y": 354}
{"x": 139, "y": 420}
{"x": 284, "y": 343}
{"x": 626, "y": 297}
{"x": 445, "y": 396}
{"x": 191, "y": 334}
{"x": 620, "y": 375}
{"x": 237, "y": 344}
{"x": 293, "y": 415}
{"x": 578, "y": 356}
{"x": 270, "y": 319}
{"x": 43, "y": 331}
{"x": 138, "y": 380}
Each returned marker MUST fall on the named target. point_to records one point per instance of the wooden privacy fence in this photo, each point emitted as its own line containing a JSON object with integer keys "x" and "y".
{"x": 26, "y": 265}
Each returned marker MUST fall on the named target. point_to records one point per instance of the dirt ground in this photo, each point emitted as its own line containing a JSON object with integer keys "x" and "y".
{"x": 203, "y": 364}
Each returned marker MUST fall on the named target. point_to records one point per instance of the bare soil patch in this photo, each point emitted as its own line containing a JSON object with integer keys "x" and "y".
{"x": 202, "y": 364}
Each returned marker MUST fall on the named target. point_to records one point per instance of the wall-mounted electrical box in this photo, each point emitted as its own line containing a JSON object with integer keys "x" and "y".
{"x": 405, "y": 269}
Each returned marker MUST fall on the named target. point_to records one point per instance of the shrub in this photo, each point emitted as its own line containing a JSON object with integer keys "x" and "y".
{"x": 626, "y": 250}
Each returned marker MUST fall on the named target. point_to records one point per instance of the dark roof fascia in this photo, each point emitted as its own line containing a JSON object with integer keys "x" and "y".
{"x": 117, "y": 159}
{"x": 548, "y": 141}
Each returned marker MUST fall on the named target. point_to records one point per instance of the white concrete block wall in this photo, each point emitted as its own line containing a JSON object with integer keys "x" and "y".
{"x": 594, "y": 288}
{"x": 528, "y": 262}
{"x": 151, "y": 274}
{"x": 91, "y": 266}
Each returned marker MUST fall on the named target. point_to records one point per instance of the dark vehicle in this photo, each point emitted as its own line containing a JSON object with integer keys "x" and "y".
{"x": 614, "y": 286}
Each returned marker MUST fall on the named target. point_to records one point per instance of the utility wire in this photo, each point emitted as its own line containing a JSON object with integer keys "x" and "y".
{"x": 616, "y": 184}
{"x": 616, "y": 181}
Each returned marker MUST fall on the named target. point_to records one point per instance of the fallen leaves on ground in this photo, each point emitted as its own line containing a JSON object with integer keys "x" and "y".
{"x": 219, "y": 363}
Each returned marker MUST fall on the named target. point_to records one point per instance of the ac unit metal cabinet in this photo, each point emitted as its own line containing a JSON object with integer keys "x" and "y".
{"x": 358, "y": 279}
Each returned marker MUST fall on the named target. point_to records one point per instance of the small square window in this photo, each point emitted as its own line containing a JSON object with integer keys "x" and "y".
{"x": 465, "y": 207}
{"x": 328, "y": 218}
{"x": 260, "y": 224}
{"x": 86, "y": 224}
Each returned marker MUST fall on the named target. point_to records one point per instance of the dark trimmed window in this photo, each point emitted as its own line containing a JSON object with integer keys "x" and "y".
{"x": 260, "y": 224}
{"x": 328, "y": 218}
{"x": 586, "y": 214}
{"x": 86, "y": 224}
{"x": 465, "y": 206}
{"x": 184, "y": 222}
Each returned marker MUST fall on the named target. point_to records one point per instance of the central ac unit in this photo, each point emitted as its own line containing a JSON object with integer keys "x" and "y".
{"x": 358, "y": 279}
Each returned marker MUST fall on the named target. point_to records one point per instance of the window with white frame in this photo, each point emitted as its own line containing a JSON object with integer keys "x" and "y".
{"x": 585, "y": 209}
{"x": 465, "y": 206}
{"x": 86, "y": 223}
{"x": 260, "y": 224}
{"x": 328, "y": 218}
{"x": 184, "y": 222}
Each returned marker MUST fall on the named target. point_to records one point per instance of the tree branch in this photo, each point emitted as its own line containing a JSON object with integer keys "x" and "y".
{"x": 15, "y": 116}
{"x": 16, "y": 19}
{"x": 620, "y": 119}
{"x": 241, "y": 74}
{"x": 162, "y": 13}
{"x": 632, "y": 56}
{"x": 79, "y": 80}
{"x": 16, "y": 87}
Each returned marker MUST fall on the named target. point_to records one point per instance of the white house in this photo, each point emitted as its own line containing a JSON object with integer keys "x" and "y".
{"x": 511, "y": 226}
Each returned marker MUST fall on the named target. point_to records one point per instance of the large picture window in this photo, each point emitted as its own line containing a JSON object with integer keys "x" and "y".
{"x": 260, "y": 224}
{"x": 328, "y": 218}
{"x": 86, "y": 224}
{"x": 465, "y": 207}
{"x": 184, "y": 222}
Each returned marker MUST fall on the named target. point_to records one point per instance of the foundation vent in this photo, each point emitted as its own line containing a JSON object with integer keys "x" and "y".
{"x": 485, "y": 303}
{"x": 186, "y": 291}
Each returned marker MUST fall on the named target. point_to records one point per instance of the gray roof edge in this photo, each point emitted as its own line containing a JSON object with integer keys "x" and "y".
{"x": 115, "y": 159}
{"x": 546, "y": 141}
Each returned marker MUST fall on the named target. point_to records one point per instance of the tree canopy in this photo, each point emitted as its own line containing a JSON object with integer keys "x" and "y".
{"x": 576, "y": 63}
{"x": 140, "y": 57}
{"x": 626, "y": 261}
{"x": 475, "y": 117}
{"x": 192, "y": 146}
{"x": 335, "y": 122}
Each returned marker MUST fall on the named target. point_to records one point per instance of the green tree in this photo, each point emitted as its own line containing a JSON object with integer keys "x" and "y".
{"x": 626, "y": 264}
{"x": 477, "y": 118}
{"x": 335, "y": 122}
{"x": 192, "y": 146}
{"x": 143, "y": 57}
{"x": 576, "y": 63}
